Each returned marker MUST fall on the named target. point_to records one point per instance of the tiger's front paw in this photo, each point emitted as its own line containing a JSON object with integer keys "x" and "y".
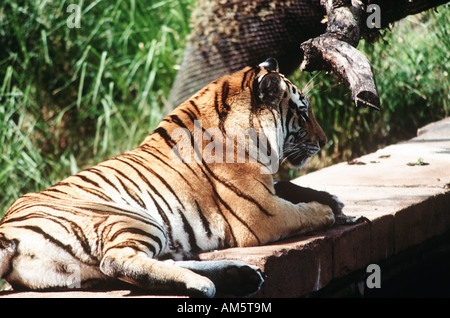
{"x": 336, "y": 205}
{"x": 322, "y": 216}
{"x": 343, "y": 219}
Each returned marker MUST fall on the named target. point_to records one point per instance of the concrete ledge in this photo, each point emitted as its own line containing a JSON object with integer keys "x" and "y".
{"x": 403, "y": 189}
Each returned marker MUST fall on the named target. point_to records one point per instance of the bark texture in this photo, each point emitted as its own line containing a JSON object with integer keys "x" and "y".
{"x": 311, "y": 34}
{"x": 335, "y": 50}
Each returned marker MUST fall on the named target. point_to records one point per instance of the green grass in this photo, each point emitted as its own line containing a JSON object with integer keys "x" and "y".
{"x": 71, "y": 97}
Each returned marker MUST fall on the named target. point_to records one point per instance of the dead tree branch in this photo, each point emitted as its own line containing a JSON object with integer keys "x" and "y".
{"x": 230, "y": 34}
{"x": 335, "y": 50}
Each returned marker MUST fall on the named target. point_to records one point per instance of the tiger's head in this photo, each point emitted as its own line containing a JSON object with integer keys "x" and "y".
{"x": 257, "y": 109}
{"x": 300, "y": 136}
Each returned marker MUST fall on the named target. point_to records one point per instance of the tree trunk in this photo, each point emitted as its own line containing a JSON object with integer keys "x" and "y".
{"x": 311, "y": 34}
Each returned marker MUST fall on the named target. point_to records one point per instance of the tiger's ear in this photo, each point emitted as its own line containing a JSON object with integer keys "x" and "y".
{"x": 270, "y": 89}
{"x": 270, "y": 64}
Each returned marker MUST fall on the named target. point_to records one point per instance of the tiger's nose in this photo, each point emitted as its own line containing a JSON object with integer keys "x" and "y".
{"x": 322, "y": 141}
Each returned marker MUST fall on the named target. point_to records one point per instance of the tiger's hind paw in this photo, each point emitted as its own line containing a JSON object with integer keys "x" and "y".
{"x": 240, "y": 279}
{"x": 201, "y": 287}
{"x": 230, "y": 277}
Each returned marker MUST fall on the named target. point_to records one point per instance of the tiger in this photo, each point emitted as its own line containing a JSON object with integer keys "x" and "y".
{"x": 143, "y": 217}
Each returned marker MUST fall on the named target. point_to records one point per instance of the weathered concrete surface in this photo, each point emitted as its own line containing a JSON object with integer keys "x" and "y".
{"x": 406, "y": 202}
